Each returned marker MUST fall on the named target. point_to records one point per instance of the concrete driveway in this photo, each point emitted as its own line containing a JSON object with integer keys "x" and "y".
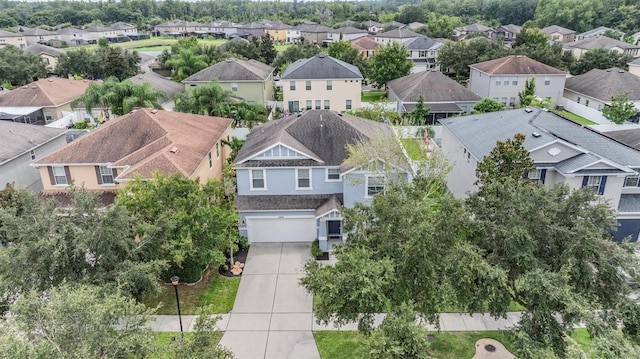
{"x": 272, "y": 316}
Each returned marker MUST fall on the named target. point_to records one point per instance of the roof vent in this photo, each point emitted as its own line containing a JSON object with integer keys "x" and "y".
{"x": 340, "y": 114}
{"x": 140, "y": 77}
{"x": 154, "y": 111}
{"x": 174, "y": 150}
{"x": 299, "y": 114}
{"x": 609, "y": 70}
{"x": 228, "y": 60}
{"x": 34, "y": 86}
{"x": 50, "y": 80}
{"x": 536, "y": 135}
{"x": 321, "y": 56}
{"x": 620, "y": 71}
{"x": 528, "y": 110}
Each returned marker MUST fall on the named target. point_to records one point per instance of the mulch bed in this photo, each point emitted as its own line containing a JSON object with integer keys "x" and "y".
{"x": 240, "y": 256}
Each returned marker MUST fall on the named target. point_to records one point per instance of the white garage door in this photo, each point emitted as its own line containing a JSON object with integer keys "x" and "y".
{"x": 292, "y": 229}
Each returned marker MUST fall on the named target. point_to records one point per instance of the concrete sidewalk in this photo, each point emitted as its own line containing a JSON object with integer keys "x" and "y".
{"x": 449, "y": 322}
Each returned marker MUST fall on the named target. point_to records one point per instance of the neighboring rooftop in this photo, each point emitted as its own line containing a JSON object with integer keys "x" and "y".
{"x": 233, "y": 69}
{"x": 433, "y": 86}
{"x": 515, "y": 65}
{"x": 350, "y": 30}
{"x": 398, "y": 34}
{"x": 158, "y": 82}
{"x": 49, "y": 92}
{"x": 604, "y": 84}
{"x": 559, "y": 29}
{"x": 147, "y": 141}
{"x": 19, "y": 138}
{"x": 478, "y": 133}
{"x": 473, "y": 28}
{"x": 600, "y": 42}
{"x": 38, "y": 49}
{"x": 422, "y": 42}
{"x": 596, "y": 31}
{"x": 321, "y": 66}
{"x": 365, "y": 43}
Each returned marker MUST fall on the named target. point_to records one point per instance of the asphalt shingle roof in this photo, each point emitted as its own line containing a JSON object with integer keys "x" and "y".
{"x": 434, "y": 86}
{"x": 321, "y": 66}
{"x": 515, "y": 65}
{"x": 398, "y": 34}
{"x": 49, "y": 92}
{"x": 559, "y": 29}
{"x": 170, "y": 88}
{"x": 604, "y": 84}
{"x": 600, "y": 42}
{"x": 629, "y": 203}
{"x": 422, "y": 43}
{"x": 365, "y": 43}
{"x": 37, "y": 49}
{"x": 577, "y": 162}
{"x": 18, "y": 138}
{"x": 288, "y": 202}
{"x": 233, "y": 69}
{"x": 479, "y": 133}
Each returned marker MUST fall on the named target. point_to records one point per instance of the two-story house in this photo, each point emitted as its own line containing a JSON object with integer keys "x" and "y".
{"x": 460, "y": 33}
{"x": 98, "y": 32}
{"x": 505, "y": 32}
{"x": 579, "y": 47}
{"x": 401, "y": 36}
{"x": 502, "y": 79}
{"x": 21, "y": 145}
{"x": 423, "y": 52}
{"x": 373, "y": 26}
{"x": 562, "y": 150}
{"x": 48, "y": 54}
{"x": 587, "y": 94}
{"x": 250, "y": 80}
{"x": 124, "y": 28}
{"x": 321, "y": 82}
{"x": 293, "y": 180}
{"x": 12, "y": 38}
{"x": 365, "y": 45}
{"x": 598, "y": 31}
{"x": 346, "y": 34}
{"x": 176, "y": 28}
{"x": 73, "y": 36}
{"x": 559, "y": 34}
{"x": 36, "y": 35}
{"x": 314, "y": 34}
{"x": 278, "y": 31}
{"x": 139, "y": 144}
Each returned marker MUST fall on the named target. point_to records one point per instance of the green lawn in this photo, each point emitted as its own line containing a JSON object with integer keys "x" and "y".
{"x": 282, "y": 46}
{"x": 575, "y": 117}
{"x": 216, "y": 291}
{"x": 373, "y": 95}
{"x": 152, "y": 48}
{"x": 414, "y": 149}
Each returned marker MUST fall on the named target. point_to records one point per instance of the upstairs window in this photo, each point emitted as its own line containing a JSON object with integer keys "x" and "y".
{"x": 631, "y": 181}
{"x": 58, "y": 175}
{"x": 292, "y": 85}
{"x": 308, "y": 85}
{"x": 597, "y": 183}
{"x": 303, "y": 178}
{"x": 333, "y": 174}
{"x": 329, "y": 85}
{"x": 258, "y": 179}
{"x": 105, "y": 175}
{"x": 375, "y": 185}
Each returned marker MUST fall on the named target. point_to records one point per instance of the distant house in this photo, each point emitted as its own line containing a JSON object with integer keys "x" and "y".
{"x": 12, "y": 38}
{"x": 21, "y": 145}
{"x": 442, "y": 95}
{"x": 160, "y": 83}
{"x": 366, "y": 46}
{"x": 74, "y": 37}
{"x": 278, "y": 31}
{"x": 634, "y": 67}
{"x": 321, "y": 82}
{"x": 36, "y": 35}
{"x": 415, "y": 26}
{"x": 506, "y": 32}
{"x": 98, "y": 32}
{"x": 314, "y": 34}
{"x": 373, "y": 26}
{"x": 502, "y": 79}
{"x": 598, "y": 31}
{"x": 175, "y": 28}
{"x": 43, "y": 101}
{"x": 293, "y": 180}
{"x": 140, "y": 143}
{"x": 587, "y": 94}
{"x": 563, "y": 152}
{"x": 124, "y": 28}
{"x": 346, "y": 34}
{"x": 559, "y": 34}
{"x": 423, "y": 51}
{"x": 392, "y": 25}
{"x": 401, "y": 36}
{"x": 460, "y": 33}
{"x": 602, "y": 42}
{"x": 250, "y": 80}
{"x": 48, "y": 54}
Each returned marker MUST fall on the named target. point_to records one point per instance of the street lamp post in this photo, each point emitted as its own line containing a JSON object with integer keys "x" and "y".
{"x": 175, "y": 280}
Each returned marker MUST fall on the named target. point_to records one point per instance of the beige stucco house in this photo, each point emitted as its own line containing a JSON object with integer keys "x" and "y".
{"x": 12, "y": 38}
{"x": 321, "y": 82}
{"x": 36, "y": 35}
{"x": 139, "y": 144}
{"x": 249, "y": 80}
{"x": 559, "y": 34}
{"x": 48, "y": 54}
{"x": 634, "y": 67}
{"x": 42, "y": 101}
{"x": 601, "y": 42}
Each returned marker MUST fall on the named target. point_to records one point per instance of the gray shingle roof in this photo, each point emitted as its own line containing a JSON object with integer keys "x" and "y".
{"x": 19, "y": 138}
{"x": 597, "y": 30}
{"x": 630, "y": 137}
{"x": 37, "y": 49}
{"x": 434, "y": 86}
{"x": 515, "y": 65}
{"x": 321, "y": 66}
{"x": 559, "y": 29}
{"x": 398, "y": 34}
{"x": 575, "y": 163}
{"x": 4, "y": 33}
{"x": 479, "y": 133}
{"x": 635, "y": 62}
{"x": 170, "y": 88}
{"x": 600, "y": 42}
{"x": 350, "y": 30}
{"x": 289, "y": 202}
{"x": 422, "y": 43}
{"x": 629, "y": 203}
{"x": 474, "y": 28}
{"x": 233, "y": 69}
{"x": 314, "y": 28}
{"x": 604, "y": 84}
{"x": 323, "y": 134}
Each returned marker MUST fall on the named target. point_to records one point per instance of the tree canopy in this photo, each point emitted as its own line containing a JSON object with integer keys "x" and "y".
{"x": 488, "y": 104}
{"x": 104, "y": 62}
{"x": 18, "y": 67}
{"x": 389, "y": 63}
{"x": 600, "y": 59}
{"x": 621, "y": 109}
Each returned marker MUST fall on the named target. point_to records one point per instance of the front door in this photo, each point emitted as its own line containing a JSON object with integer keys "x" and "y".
{"x": 294, "y": 106}
{"x": 334, "y": 229}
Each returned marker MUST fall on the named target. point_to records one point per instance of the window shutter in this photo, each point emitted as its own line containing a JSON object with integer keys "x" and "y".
{"x": 51, "y": 178}
{"x": 525, "y": 175}
{"x": 67, "y": 173}
{"x": 543, "y": 174}
{"x": 603, "y": 183}
{"x": 585, "y": 179}
{"x": 114, "y": 172}
{"x": 98, "y": 174}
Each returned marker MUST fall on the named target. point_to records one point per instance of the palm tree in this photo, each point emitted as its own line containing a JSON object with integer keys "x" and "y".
{"x": 202, "y": 100}
{"x": 103, "y": 95}
{"x": 185, "y": 63}
{"x": 235, "y": 144}
{"x": 142, "y": 95}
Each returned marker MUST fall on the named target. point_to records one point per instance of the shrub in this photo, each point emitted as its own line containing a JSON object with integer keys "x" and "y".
{"x": 315, "y": 248}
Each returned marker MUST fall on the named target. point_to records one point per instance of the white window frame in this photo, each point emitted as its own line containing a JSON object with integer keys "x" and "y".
{"x": 328, "y": 170}
{"x": 327, "y": 104}
{"x": 307, "y": 85}
{"x": 309, "y": 105}
{"x": 234, "y": 86}
{"x": 264, "y": 180}
{"x": 329, "y": 85}
{"x": 298, "y": 178}
{"x": 349, "y": 105}
{"x": 217, "y": 149}
{"x": 292, "y": 85}
{"x": 366, "y": 185}
{"x": 547, "y": 80}
{"x": 106, "y": 171}
{"x": 635, "y": 178}
{"x": 56, "y": 176}
{"x": 318, "y": 105}
{"x": 210, "y": 160}
{"x": 594, "y": 182}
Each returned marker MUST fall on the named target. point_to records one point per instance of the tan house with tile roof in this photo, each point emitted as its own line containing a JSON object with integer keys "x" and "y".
{"x": 42, "y": 101}
{"x": 139, "y": 144}
{"x": 11, "y": 38}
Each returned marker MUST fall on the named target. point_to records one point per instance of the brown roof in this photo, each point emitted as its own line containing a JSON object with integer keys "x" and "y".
{"x": 515, "y": 65}
{"x": 433, "y": 86}
{"x": 365, "y": 43}
{"x": 147, "y": 141}
{"x": 49, "y": 92}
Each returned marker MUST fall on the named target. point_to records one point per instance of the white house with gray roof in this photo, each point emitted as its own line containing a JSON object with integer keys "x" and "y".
{"x": 22, "y": 144}
{"x": 423, "y": 52}
{"x": 399, "y": 35}
{"x": 346, "y": 34}
{"x": 562, "y": 150}
{"x": 321, "y": 82}
{"x": 250, "y": 80}
{"x": 579, "y": 47}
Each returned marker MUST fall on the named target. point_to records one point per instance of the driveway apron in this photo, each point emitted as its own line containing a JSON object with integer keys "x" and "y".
{"x": 272, "y": 316}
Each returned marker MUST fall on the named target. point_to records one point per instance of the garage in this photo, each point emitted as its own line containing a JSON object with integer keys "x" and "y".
{"x": 281, "y": 229}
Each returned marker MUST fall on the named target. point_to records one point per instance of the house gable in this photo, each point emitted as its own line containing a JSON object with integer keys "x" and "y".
{"x": 553, "y": 152}
{"x": 280, "y": 151}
